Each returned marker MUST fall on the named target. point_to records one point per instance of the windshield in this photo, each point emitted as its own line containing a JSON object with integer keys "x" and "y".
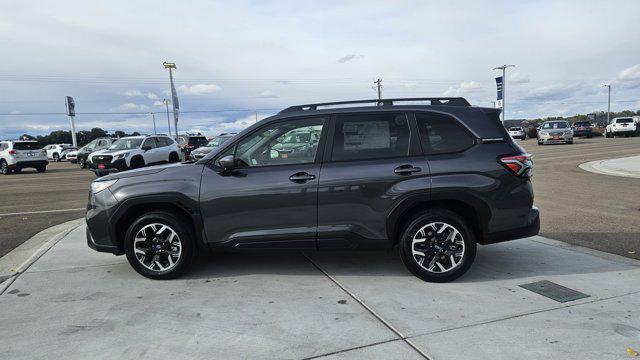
{"x": 625, "y": 121}
{"x": 555, "y": 125}
{"x": 581, "y": 124}
{"x": 126, "y": 144}
{"x": 26, "y": 146}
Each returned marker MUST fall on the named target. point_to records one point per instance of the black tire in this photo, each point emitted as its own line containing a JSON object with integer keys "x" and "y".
{"x": 412, "y": 228}
{"x": 174, "y": 158}
{"x": 17, "y": 170}
{"x": 539, "y": 143}
{"x": 41, "y": 169}
{"x": 176, "y": 223}
{"x": 4, "y": 168}
{"x": 136, "y": 163}
{"x": 82, "y": 163}
{"x": 570, "y": 142}
{"x": 56, "y": 157}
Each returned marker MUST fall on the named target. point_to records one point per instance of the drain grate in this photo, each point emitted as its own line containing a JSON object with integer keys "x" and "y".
{"x": 554, "y": 291}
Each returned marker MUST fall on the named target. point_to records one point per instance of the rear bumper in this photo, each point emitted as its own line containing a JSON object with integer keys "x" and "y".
{"x": 28, "y": 164}
{"x": 531, "y": 228}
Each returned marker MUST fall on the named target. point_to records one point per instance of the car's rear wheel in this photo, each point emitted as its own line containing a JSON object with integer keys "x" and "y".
{"x": 56, "y": 157}
{"x": 159, "y": 245}
{"x": 437, "y": 246}
{"x": 41, "y": 169}
{"x": 4, "y": 168}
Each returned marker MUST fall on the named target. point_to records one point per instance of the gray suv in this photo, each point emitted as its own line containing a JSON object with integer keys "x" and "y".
{"x": 433, "y": 176}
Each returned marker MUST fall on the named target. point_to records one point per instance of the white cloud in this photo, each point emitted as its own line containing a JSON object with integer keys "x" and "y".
{"x": 552, "y": 92}
{"x": 132, "y": 107}
{"x": 630, "y": 77}
{"x": 518, "y": 79}
{"x": 268, "y": 94}
{"x": 132, "y": 93}
{"x": 158, "y": 103}
{"x": 199, "y": 89}
{"x": 465, "y": 87}
{"x": 152, "y": 96}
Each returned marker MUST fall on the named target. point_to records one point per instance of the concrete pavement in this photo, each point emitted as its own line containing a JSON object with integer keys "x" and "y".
{"x": 625, "y": 167}
{"x": 76, "y": 303}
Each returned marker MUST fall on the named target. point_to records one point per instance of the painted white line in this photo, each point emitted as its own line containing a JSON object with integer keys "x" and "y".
{"x": 41, "y": 212}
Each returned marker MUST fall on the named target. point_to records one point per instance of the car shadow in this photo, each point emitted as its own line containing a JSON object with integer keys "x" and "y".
{"x": 512, "y": 260}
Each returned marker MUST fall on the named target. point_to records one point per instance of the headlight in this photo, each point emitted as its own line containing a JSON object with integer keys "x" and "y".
{"x": 98, "y": 186}
{"x": 122, "y": 156}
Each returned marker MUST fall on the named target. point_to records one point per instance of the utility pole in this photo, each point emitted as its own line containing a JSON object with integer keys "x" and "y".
{"x": 166, "y": 103}
{"x": 608, "y": 86}
{"x": 379, "y": 86}
{"x": 504, "y": 88}
{"x": 153, "y": 116}
{"x": 256, "y": 116}
{"x": 174, "y": 94}
{"x": 71, "y": 112}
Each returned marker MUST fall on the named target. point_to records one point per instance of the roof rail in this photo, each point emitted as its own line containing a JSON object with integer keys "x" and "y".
{"x": 450, "y": 101}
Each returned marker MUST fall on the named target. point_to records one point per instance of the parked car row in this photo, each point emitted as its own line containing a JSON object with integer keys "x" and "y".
{"x": 562, "y": 132}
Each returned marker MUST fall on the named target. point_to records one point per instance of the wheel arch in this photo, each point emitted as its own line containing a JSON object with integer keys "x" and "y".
{"x": 474, "y": 211}
{"x": 131, "y": 209}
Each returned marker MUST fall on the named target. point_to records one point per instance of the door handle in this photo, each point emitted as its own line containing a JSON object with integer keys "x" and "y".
{"x": 301, "y": 177}
{"x": 406, "y": 169}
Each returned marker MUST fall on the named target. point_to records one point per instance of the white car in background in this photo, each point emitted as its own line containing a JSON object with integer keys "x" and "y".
{"x": 72, "y": 156}
{"x": 16, "y": 155}
{"x": 517, "y": 132}
{"x": 134, "y": 152}
{"x": 621, "y": 126}
{"x": 57, "y": 152}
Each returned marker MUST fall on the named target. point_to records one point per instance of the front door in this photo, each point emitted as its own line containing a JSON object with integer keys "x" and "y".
{"x": 270, "y": 199}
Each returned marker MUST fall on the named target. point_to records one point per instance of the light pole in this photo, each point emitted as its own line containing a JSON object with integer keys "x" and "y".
{"x": 608, "y": 86}
{"x": 153, "y": 116}
{"x": 504, "y": 88}
{"x": 166, "y": 104}
{"x": 174, "y": 95}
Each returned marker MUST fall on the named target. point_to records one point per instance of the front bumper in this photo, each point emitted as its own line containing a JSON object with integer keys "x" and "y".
{"x": 99, "y": 210}
{"x": 555, "y": 139}
{"x": 108, "y": 167}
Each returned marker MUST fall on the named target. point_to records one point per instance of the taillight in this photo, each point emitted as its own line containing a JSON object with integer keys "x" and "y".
{"x": 520, "y": 165}
{"x": 12, "y": 152}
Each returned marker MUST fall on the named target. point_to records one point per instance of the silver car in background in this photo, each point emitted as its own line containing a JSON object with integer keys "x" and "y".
{"x": 217, "y": 141}
{"x": 555, "y": 132}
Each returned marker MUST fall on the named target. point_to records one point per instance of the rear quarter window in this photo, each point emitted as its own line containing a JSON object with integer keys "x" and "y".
{"x": 442, "y": 134}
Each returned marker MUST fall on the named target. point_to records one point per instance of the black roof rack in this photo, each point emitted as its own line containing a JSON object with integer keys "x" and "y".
{"x": 450, "y": 101}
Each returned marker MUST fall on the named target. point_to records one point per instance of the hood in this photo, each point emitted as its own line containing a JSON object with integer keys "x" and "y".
{"x": 203, "y": 149}
{"x": 143, "y": 171}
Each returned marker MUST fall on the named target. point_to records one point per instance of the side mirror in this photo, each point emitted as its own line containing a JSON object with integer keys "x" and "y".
{"x": 146, "y": 148}
{"x": 227, "y": 163}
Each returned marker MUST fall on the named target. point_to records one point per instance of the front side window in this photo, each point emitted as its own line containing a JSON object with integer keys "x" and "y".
{"x": 441, "y": 134}
{"x": 149, "y": 143}
{"x": 273, "y": 145}
{"x": 370, "y": 136}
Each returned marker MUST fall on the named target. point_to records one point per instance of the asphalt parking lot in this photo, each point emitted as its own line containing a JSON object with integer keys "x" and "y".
{"x": 32, "y": 202}
{"x": 592, "y": 210}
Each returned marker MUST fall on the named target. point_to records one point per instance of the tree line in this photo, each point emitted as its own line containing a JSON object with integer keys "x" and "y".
{"x": 83, "y": 137}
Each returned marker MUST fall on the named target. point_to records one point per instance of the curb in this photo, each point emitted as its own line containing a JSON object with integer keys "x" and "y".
{"x": 19, "y": 259}
{"x": 585, "y": 250}
{"x": 598, "y": 167}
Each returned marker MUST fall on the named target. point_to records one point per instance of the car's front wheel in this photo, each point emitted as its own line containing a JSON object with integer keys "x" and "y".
{"x": 56, "y": 157}
{"x": 160, "y": 245}
{"x": 437, "y": 246}
{"x": 82, "y": 163}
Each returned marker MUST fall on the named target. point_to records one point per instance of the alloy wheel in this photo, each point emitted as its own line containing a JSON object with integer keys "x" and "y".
{"x": 157, "y": 247}
{"x": 438, "y": 247}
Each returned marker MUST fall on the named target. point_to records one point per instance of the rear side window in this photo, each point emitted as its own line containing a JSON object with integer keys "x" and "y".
{"x": 26, "y": 146}
{"x": 163, "y": 141}
{"x": 370, "y": 136}
{"x": 198, "y": 141}
{"x": 441, "y": 134}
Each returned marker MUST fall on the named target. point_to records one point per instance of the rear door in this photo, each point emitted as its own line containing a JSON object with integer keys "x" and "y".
{"x": 372, "y": 164}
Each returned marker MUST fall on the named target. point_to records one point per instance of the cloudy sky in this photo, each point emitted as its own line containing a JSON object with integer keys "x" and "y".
{"x": 242, "y": 59}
